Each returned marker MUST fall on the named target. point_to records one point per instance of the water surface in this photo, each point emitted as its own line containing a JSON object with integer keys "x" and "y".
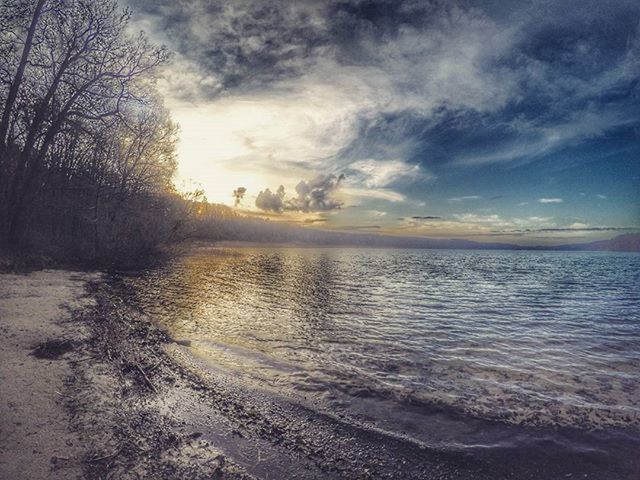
{"x": 406, "y": 340}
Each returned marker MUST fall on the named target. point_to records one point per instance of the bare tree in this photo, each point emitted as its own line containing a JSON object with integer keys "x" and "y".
{"x": 78, "y": 66}
{"x": 19, "y": 74}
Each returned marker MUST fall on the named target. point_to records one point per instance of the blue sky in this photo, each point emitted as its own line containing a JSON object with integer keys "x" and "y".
{"x": 517, "y": 121}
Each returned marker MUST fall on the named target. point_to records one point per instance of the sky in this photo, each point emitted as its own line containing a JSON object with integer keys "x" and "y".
{"x": 490, "y": 120}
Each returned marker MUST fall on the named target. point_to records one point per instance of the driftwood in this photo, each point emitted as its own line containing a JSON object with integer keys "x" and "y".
{"x": 106, "y": 457}
{"x": 144, "y": 375}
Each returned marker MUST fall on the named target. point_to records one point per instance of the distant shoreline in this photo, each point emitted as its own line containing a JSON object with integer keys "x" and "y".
{"x": 30, "y": 260}
{"x": 623, "y": 243}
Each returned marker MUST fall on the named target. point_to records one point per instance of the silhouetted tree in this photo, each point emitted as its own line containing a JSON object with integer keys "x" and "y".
{"x": 76, "y": 66}
{"x": 83, "y": 134}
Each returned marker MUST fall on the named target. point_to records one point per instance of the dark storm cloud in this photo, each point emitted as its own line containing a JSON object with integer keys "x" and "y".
{"x": 243, "y": 44}
{"x": 315, "y": 195}
{"x": 251, "y": 43}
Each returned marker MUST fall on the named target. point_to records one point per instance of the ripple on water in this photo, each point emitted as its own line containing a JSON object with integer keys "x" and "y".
{"x": 525, "y": 337}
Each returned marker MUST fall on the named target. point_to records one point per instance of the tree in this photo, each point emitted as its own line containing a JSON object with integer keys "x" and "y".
{"x": 77, "y": 67}
{"x": 87, "y": 150}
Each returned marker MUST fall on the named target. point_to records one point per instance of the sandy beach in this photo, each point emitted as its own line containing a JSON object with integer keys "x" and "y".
{"x": 34, "y": 424}
{"x": 64, "y": 412}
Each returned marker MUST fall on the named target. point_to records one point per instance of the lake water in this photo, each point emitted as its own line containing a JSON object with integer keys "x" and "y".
{"x": 388, "y": 337}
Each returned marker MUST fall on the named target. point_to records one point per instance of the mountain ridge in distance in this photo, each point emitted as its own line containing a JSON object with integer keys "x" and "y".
{"x": 629, "y": 242}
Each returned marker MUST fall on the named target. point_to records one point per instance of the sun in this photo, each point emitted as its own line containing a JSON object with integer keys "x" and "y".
{"x": 209, "y": 141}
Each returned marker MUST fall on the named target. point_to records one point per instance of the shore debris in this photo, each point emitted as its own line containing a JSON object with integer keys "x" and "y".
{"x": 52, "y": 349}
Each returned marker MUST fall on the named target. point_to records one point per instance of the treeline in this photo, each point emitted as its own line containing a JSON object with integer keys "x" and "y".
{"x": 87, "y": 150}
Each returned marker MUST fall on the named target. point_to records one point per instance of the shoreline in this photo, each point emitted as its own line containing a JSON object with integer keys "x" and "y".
{"x": 134, "y": 406}
{"x": 265, "y": 436}
{"x": 76, "y": 405}
{"x": 131, "y": 402}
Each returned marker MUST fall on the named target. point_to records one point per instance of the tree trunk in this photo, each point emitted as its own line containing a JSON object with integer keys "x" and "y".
{"x": 96, "y": 218}
{"x": 15, "y": 85}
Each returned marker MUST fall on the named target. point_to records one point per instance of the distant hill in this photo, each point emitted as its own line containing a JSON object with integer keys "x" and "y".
{"x": 622, "y": 243}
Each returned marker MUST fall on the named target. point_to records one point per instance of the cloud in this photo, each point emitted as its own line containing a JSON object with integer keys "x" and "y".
{"x": 238, "y": 195}
{"x": 550, "y": 200}
{"x": 601, "y": 197}
{"x": 493, "y": 219}
{"x": 271, "y": 202}
{"x": 544, "y": 136}
{"x": 315, "y": 220}
{"x": 246, "y": 43}
{"x": 465, "y": 198}
{"x": 383, "y": 173}
{"x": 424, "y": 62}
{"x": 375, "y": 213}
{"x": 315, "y": 195}
{"x": 428, "y": 217}
{"x": 393, "y": 93}
{"x": 189, "y": 81}
{"x": 361, "y": 227}
{"x": 377, "y": 194}
{"x": 471, "y": 224}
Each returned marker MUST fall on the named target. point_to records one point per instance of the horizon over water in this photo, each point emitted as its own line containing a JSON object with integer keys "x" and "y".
{"x": 461, "y": 350}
